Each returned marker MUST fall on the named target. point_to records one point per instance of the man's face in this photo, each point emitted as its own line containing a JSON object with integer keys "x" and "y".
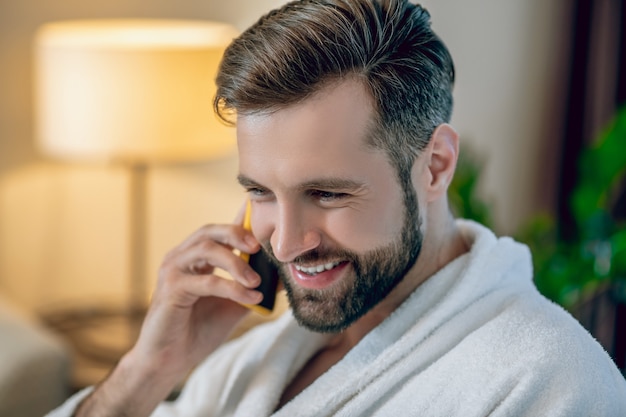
{"x": 328, "y": 208}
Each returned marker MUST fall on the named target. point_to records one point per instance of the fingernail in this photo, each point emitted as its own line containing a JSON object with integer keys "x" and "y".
{"x": 257, "y": 297}
{"x": 253, "y": 278}
{"x": 251, "y": 241}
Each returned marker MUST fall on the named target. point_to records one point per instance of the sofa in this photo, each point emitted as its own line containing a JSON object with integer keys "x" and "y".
{"x": 34, "y": 365}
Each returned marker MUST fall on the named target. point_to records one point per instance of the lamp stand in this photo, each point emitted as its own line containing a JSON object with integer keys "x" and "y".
{"x": 138, "y": 220}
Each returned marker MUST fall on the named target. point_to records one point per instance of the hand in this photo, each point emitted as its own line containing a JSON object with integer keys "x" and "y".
{"x": 193, "y": 310}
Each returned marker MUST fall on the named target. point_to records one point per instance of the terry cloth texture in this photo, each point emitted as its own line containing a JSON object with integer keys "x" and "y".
{"x": 476, "y": 339}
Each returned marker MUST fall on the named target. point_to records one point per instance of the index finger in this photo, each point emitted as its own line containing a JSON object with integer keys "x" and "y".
{"x": 230, "y": 235}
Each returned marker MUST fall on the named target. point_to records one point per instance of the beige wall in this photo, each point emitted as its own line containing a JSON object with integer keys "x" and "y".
{"x": 63, "y": 229}
{"x": 509, "y": 55}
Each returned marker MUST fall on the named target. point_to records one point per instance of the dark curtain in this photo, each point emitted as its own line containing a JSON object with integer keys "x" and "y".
{"x": 596, "y": 88}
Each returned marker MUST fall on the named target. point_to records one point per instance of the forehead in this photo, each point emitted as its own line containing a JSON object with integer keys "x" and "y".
{"x": 324, "y": 135}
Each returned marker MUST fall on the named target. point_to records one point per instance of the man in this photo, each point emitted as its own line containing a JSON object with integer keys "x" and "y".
{"x": 396, "y": 307}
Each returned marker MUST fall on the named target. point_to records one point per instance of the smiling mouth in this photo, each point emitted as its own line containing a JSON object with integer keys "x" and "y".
{"x": 316, "y": 269}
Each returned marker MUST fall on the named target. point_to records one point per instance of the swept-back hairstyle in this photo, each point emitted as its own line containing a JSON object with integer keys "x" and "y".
{"x": 293, "y": 52}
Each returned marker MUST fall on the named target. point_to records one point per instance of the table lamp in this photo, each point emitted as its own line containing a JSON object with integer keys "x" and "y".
{"x": 131, "y": 92}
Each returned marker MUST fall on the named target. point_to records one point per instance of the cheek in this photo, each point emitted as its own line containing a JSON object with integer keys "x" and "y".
{"x": 363, "y": 230}
{"x": 261, "y": 221}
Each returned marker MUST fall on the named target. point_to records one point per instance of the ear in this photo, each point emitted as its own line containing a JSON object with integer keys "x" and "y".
{"x": 441, "y": 156}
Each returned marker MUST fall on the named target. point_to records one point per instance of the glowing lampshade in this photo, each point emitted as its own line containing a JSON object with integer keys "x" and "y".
{"x": 136, "y": 91}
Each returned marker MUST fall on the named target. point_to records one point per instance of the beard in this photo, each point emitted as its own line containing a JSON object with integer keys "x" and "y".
{"x": 374, "y": 275}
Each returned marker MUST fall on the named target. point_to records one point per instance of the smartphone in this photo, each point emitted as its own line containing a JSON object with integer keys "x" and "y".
{"x": 265, "y": 268}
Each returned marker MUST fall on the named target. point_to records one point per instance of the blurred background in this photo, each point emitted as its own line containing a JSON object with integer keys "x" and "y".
{"x": 539, "y": 84}
{"x": 63, "y": 225}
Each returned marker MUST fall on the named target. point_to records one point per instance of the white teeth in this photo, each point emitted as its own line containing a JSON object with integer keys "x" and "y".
{"x": 312, "y": 270}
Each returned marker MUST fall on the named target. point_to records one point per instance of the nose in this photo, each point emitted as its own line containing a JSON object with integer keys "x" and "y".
{"x": 294, "y": 233}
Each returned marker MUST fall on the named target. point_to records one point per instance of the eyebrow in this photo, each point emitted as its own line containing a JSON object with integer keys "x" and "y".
{"x": 330, "y": 184}
{"x": 246, "y": 181}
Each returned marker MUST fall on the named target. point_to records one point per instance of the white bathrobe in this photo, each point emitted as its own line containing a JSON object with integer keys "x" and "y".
{"x": 476, "y": 339}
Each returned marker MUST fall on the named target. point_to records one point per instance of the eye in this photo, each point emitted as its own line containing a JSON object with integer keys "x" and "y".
{"x": 327, "y": 196}
{"x": 257, "y": 192}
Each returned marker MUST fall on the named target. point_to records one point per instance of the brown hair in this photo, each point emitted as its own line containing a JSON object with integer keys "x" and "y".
{"x": 294, "y": 51}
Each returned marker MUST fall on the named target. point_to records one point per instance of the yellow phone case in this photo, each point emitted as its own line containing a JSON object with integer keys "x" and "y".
{"x": 268, "y": 271}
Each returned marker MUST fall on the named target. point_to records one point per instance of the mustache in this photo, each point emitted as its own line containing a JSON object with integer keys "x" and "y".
{"x": 313, "y": 255}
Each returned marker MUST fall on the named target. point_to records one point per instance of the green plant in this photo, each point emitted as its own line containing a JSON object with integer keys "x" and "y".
{"x": 568, "y": 271}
